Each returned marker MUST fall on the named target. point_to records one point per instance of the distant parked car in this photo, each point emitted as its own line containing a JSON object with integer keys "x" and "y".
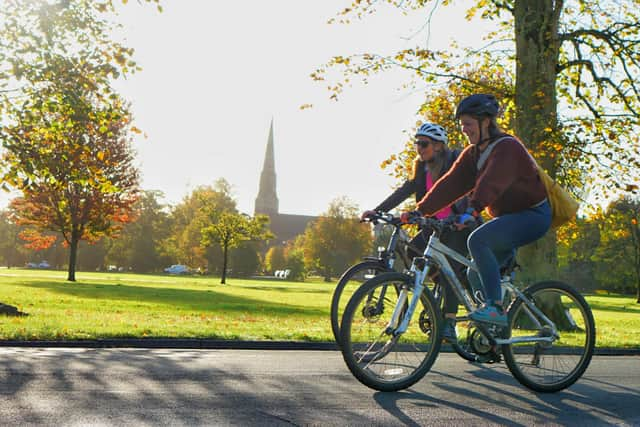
{"x": 42, "y": 264}
{"x": 177, "y": 269}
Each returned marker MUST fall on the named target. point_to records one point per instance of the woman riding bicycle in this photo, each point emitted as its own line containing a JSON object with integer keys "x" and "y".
{"x": 433, "y": 160}
{"x": 505, "y": 181}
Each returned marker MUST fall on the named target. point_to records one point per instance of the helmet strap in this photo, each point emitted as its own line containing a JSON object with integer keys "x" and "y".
{"x": 481, "y": 140}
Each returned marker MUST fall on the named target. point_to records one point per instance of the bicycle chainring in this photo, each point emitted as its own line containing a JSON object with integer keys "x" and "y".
{"x": 478, "y": 342}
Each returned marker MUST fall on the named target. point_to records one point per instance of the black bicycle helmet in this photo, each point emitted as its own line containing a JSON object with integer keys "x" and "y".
{"x": 478, "y": 105}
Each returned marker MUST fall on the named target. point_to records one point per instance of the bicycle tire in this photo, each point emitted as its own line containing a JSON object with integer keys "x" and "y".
{"x": 377, "y": 358}
{"x": 354, "y": 273}
{"x": 551, "y": 367}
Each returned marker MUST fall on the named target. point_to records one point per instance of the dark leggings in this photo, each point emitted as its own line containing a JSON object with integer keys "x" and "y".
{"x": 456, "y": 240}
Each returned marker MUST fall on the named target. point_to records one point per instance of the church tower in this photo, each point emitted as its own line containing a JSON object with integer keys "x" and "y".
{"x": 267, "y": 200}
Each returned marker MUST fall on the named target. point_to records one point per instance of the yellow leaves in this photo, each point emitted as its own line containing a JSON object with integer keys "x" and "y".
{"x": 306, "y": 106}
{"x": 100, "y": 155}
{"x": 341, "y": 60}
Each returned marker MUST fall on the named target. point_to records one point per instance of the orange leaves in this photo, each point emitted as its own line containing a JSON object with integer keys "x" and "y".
{"x": 36, "y": 240}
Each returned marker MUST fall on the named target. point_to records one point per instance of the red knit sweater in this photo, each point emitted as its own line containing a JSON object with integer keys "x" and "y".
{"x": 508, "y": 181}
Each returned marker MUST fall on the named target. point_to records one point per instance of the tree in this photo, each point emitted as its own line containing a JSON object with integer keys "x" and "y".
{"x": 198, "y": 210}
{"x": 577, "y": 243}
{"x": 83, "y": 190}
{"x": 575, "y": 68}
{"x": 619, "y": 250}
{"x": 12, "y": 252}
{"x": 244, "y": 260}
{"x": 66, "y": 133}
{"x": 336, "y": 239}
{"x": 275, "y": 259}
{"x": 231, "y": 229}
{"x": 294, "y": 256}
{"x": 139, "y": 244}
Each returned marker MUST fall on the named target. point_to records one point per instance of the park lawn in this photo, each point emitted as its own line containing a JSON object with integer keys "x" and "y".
{"x": 115, "y": 305}
{"x": 617, "y": 320}
{"x": 120, "y": 305}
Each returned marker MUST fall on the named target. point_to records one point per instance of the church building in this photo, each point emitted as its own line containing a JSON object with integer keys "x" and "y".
{"x": 285, "y": 227}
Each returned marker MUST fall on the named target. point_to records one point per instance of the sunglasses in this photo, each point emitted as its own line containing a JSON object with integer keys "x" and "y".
{"x": 422, "y": 144}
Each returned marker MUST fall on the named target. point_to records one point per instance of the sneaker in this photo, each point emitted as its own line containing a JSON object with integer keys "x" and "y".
{"x": 449, "y": 330}
{"x": 489, "y": 314}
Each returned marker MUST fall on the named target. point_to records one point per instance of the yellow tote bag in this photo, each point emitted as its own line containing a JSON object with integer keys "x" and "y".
{"x": 563, "y": 205}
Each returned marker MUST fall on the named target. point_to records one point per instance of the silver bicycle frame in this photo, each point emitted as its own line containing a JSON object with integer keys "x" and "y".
{"x": 438, "y": 252}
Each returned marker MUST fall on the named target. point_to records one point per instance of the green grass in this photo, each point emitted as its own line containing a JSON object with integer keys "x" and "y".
{"x": 115, "y": 305}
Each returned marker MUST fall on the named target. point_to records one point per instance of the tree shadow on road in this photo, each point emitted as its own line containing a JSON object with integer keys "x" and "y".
{"x": 492, "y": 386}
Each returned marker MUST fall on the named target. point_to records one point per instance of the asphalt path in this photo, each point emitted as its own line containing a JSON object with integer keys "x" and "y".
{"x": 156, "y": 387}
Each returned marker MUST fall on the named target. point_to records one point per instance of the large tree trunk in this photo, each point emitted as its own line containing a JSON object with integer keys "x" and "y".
{"x": 537, "y": 50}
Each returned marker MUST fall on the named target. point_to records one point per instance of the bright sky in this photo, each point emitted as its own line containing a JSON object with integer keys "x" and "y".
{"x": 215, "y": 73}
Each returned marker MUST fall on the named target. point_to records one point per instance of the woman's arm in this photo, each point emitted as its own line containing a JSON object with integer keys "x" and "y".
{"x": 453, "y": 185}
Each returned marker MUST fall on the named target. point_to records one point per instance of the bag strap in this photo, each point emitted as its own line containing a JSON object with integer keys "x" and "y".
{"x": 485, "y": 154}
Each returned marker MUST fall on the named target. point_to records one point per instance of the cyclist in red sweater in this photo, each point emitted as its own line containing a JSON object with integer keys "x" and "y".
{"x": 499, "y": 175}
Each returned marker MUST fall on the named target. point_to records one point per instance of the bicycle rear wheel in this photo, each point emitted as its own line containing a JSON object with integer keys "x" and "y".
{"x": 350, "y": 280}
{"x": 378, "y": 358}
{"x": 550, "y": 366}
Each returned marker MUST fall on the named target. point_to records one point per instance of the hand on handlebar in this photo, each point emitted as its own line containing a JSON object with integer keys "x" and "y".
{"x": 469, "y": 219}
{"x": 367, "y": 215}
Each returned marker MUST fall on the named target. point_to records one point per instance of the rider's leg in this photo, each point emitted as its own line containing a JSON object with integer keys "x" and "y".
{"x": 493, "y": 241}
{"x": 457, "y": 240}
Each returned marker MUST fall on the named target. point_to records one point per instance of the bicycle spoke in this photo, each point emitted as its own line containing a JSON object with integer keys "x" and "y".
{"x": 551, "y": 366}
{"x": 377, "y": 357}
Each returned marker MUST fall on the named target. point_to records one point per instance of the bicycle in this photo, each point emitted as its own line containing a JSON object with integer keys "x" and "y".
{"x": 547, "y": 344}
{"x": 397, "y": 249}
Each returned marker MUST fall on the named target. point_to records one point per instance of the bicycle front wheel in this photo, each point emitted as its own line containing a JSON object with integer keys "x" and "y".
{"x": 377, "y": 356}
{"x": 350, "y": 280}
{"x": 555, "y": 364}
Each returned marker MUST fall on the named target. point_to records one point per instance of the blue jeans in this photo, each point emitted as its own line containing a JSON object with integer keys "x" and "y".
{"x": 493, "y": 243}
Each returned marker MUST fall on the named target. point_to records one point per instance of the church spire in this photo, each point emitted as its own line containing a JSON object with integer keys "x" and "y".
{"x": 267, "y": 200}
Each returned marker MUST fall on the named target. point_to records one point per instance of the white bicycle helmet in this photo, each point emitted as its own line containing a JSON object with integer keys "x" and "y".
{"x": 433, "y": 131}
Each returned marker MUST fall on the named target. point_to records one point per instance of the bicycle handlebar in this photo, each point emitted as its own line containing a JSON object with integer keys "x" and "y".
{"x": 436, "y": 224}
{"x": 385, "y": 217}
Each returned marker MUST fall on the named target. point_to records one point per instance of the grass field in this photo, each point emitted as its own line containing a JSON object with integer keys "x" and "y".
{"x": 116, "y": 305}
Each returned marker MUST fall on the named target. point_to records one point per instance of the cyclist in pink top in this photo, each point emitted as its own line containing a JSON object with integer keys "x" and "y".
{"x": 433, "y": 160}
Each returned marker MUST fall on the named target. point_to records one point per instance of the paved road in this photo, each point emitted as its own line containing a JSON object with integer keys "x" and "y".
{"x": 75, "y": 386}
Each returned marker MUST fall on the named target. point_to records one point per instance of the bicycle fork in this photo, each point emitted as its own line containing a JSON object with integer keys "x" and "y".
{"x": 399, "y": 323}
